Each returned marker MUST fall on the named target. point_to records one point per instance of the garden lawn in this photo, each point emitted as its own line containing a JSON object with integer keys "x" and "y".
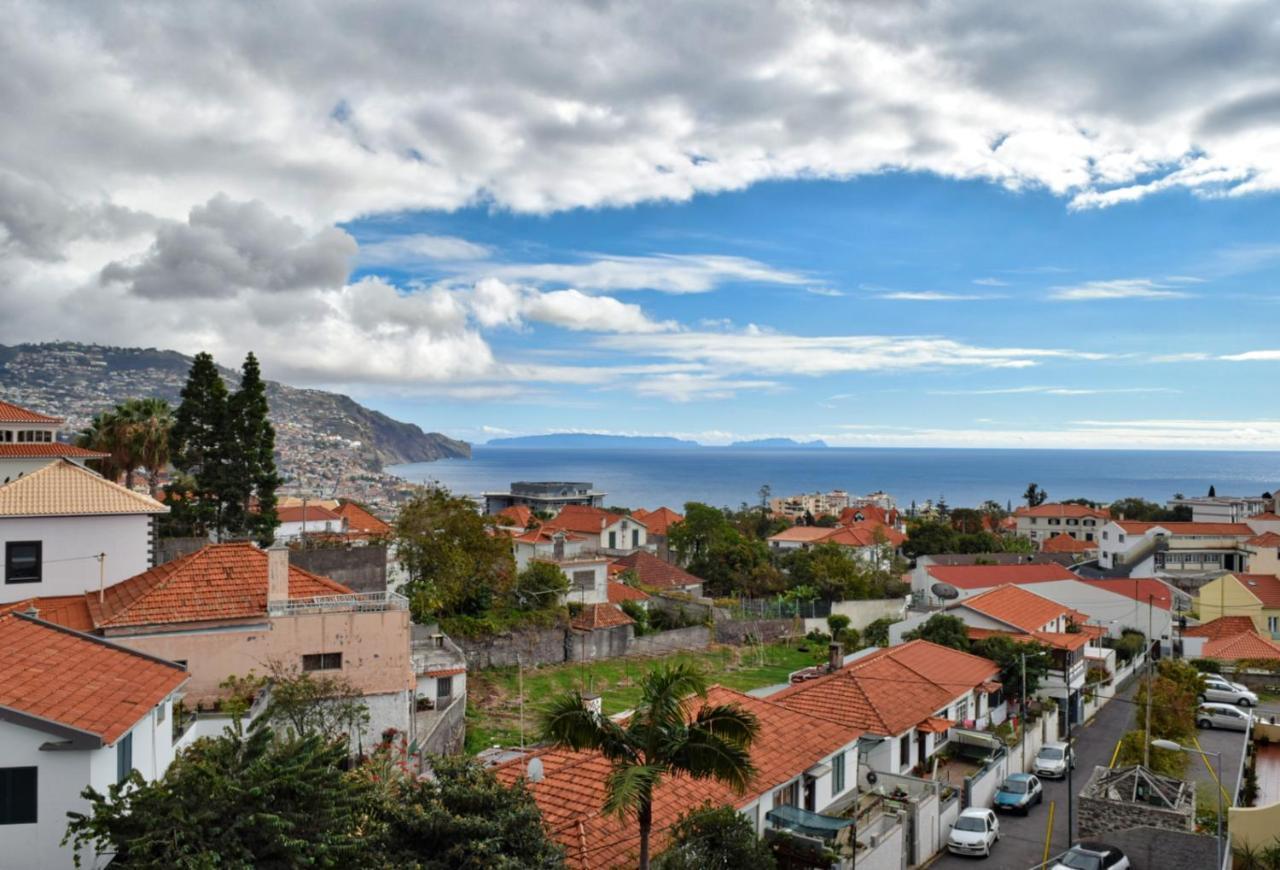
{"x": 493, "y": 696}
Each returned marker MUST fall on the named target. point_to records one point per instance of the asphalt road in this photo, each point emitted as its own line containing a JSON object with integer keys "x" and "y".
{"x": 1022, "y": 839}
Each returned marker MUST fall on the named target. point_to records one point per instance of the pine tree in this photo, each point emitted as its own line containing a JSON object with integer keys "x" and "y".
{"x": 197, "y": 449}
{"x": 252, "y": 467}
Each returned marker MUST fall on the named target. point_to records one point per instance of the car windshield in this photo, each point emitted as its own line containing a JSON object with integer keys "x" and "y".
{"x": 1017, "y": 786}
{"x": 971, "y": 823}
{"x": 1052, "y": 753}
{"x": 1081, "y": 861}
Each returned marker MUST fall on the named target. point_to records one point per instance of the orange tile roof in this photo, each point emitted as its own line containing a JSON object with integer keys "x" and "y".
{"x": 620, "y": 592}
{"x": 594, "y": 616}
{"x": 1223, "y": 626}
{"x": 890, "y": 690}
{"x": 1141, "y": 589}
{"x": 658, "y": 522}
{"x": 1064, "y": 511}
{"x": 69, "y": 611}
{"x": 1226, "y": 530}
{"x": 79, "y": 681}
{"x": 360, "y": 520}
{"x": 582, "y": 518}
{"x": 1015, "y": 606}
{"x": 1068, "y": 640}
{"x": 543, "y": 535}
{"x": 1247, "y": 645}
{"x": 868, "y": 513}
{"x": 986, "y": 576}
{"x": 1064, "y": 543}
{"x": 802, "y": 534}
{"x": 516, "y": 515}
{"x": 445, "y": 672}
{"x": 1264, "y": 587}
{"x": 1266, "y": 539}
{"x": 53, "y": 450}
{"x": 935, "y": 725}
{"x": 656, "y": 573}
{"x": 312, "y": 513}
{"x": 1267, "y": 516}
{"x": 572, "y": 790}
{"x": 11, "y": 413}
{"x": 63, "y": 488}
{"x": 220, "y": 581}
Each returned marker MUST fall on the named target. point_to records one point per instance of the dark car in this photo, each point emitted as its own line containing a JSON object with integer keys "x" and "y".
{"x": 1092, "y": 855}
{"x": 1019, "y": 792}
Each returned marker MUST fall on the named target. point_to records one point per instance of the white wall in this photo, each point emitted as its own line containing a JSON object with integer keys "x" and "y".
{"x": 13, "y": 466}
{"x": 125, "y": 539}
{"x": 62, "y": 775}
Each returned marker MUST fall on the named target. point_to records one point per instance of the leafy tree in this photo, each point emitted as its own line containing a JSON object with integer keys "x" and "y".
{"x": 198, "y": 443}
{"x": 149, "y": 422}
{"x": 1035, "y": 496}
{"x": 302, "y": 702}
{"x": 663, "y": 737}
{"x": 714, "y": 838}
{"x": 461, "y": 818}
{"x": 1017, "y": 544}
{"x": 728, "y": 561}
{"x": 232, "y": 801}
{"x": 944, "y": 630}
{"x": 1007, "y": 653}
{"x": 639, "y": 615}
{"x": 106, "y": 434}
{"x": 929, "y": 536}
{"x": 1168, "y": 762}
{"x": 540, "y": 585}
{"x": 454, "y": 565}
{"x": 978, "y": 542}
{"x": 1148, "y": 511}
{"x": 1213, "y": 492}
{"x": 993, "y": 509}
{"x": 826, "y": 521}
{"x": 1175, "y": 694}
{"x": 251, "y": 464}
{"x": 968, "y": 520}
{"x": 877, "y": 632}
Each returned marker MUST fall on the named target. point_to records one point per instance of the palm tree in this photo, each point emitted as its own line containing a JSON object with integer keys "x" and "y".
{"x": 106, "y": 434}
{"x": 663, "y": 737}
{"x": 148, "y": 422}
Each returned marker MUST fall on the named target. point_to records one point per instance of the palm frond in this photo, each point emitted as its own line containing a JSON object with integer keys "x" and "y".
{"x": 628, "y": 785}
{"x": 729, "y": 721}
{"x": 567, "y": 721}
{"x": 665, "y": 694}
{"x": 706, "y": 755}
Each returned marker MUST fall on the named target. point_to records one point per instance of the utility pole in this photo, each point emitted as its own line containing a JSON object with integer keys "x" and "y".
{"x": 1024, "y": 712}
{"x": 1146, "y": 741}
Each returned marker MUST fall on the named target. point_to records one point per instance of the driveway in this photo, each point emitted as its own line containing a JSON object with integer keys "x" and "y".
{"x": 1022, "y": 841}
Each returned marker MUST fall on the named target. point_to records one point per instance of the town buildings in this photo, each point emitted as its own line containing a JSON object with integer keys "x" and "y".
{"x": 544, "y": 496}
{"x": 29, "y": 440}
{"x": 1185, "y": 549}
{"x": 306, "y": 520}
{"x": 1041, "y": 522}
{"x": 602, "y": 531}
{"x": 1224, "y": 508}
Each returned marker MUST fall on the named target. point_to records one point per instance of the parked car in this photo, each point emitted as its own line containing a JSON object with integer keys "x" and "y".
{"x": 1092, "y": 855}
{"x": 1021, "y": 791}
{"x": 974, "y": 833}
{"x": 1052, "y": 760}
{"x": 1223, "y": 716}
{"x": 1218, "y": 689}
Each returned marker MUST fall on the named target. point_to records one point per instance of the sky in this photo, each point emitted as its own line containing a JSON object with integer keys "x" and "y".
{"x": 961, "y": 224}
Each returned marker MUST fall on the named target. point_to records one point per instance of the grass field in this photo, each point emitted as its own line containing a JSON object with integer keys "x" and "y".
{"x": 493, "y": 696}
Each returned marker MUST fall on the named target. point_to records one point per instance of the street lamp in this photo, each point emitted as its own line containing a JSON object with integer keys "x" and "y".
{"x": 1177, "y": 747}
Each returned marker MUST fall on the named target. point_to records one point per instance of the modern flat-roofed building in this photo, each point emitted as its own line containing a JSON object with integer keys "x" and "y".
{"x": 544, "y": 495}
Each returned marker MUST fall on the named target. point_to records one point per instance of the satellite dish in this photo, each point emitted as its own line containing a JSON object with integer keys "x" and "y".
{"x": 945, "y": 591}
{"x": 535, "y": 770}
{"x": 871, "y": 777}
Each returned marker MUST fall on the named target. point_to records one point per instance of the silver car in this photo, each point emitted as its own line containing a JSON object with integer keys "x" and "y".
{"x": 1223, "y": 716}
{"x": 1218, "y": 689}
{"x": 1052, "y": 760}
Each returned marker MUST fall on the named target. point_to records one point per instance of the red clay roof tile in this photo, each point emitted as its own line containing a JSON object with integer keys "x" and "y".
{"x": 11, "y": 413}
{"x": 656, "y": 573}
{"x": 595, "y": 616}
{"x": 1015, "y": 606}
{"x": 985, "y": 576}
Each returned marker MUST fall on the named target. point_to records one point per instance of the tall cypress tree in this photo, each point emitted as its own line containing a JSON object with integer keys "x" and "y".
{"x": 197, "y": 448}
{"x": 252, "y": 471}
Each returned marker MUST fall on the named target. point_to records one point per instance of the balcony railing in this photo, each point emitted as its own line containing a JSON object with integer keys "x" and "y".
{"x": 356, "y": 602}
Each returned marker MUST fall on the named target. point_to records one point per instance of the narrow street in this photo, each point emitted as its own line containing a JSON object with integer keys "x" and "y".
{"x": 1022, "y": 842}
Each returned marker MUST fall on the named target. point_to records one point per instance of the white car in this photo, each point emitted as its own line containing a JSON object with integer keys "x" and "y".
{"x": 1052, "y": 760}
{"x": 1223, "y": 716}
{"x": 1092, "y": 855}
{"x": 1218, "y": 689}
{"x": 974, "y": 833}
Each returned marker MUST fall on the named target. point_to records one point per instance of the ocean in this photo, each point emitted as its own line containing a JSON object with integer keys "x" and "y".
{"x": 964, "y": 477}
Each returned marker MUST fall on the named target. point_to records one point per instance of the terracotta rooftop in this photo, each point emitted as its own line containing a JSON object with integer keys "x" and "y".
{"x": 582, "y": 518}
{"x": 594, "y": 616}
{"x": 1264, "y": 587}
{"x": 1247, "y": 645}
{"x": 891, "y": 690}
{"x": 802, "y": 534}
{"x": 541, "y": 535}
{"x": 1225, "y": 530}
{"x": 11, "y": 413}
{"x": 220, "y": 581}
{"x": 620, "y": 592}
{"x": 1142, "y": 590}
{"x": 986, "y": 576}
{"x": 1064, "y": 543}
{"x": 516, "y": 515}
{"x": 63, "y": 488}
{"x": 1266, "y": 539}
{"x": 1068, "y": 640}
{"x": 78, "y": 681}
{"x": 69, "y": 611}
{"x": 1063, "y": 511}
{"x": 658, "y": 522}
{"x": 361, "y": 521}
{"x": 312, "y": 513}
{"x": 1015, "y": 607}
{"x": 572, "y": 790}
{"x": 656, "y": 573}
{"x": 1223, "y": 626}
{"x": 52, "y": 450}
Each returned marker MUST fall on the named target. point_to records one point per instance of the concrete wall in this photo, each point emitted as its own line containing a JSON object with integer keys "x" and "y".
{"x": 69, "y": 547}
{"x": 446, "y": 730}
{"x": 761, "y": 630}
{"x": 887, "y": 855}
{"x": 168, "y": 549}
{"x": 363, "y": 569}
{"x": 693, "y": 637}
{"x": 537, "y": 646}
{"x": 606, "y": 643}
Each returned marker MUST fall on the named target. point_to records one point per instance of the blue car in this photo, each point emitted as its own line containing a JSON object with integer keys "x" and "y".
{"x": 1019, "y": 792}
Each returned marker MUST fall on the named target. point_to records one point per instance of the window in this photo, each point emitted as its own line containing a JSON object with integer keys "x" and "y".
{"x": 635, "y": 539}
{"x": 22, "y": 562}
{"x": 1104, "y": 535}
{"x": 837, "y": 773}
{"x": 613, "y": 540}
{"x": 1273, "y": 624}
{"x": 124, "y": 757}
{"x": 160, "y": 714}
{"x": 904, "y": 751}
{"x": 17, "y": 795}
{"x": 444, "y": 688}
{"x": 1120, "y": 537}
{"x": 322, "y": 662}
{"x": 584, "y": 581}
{"x": 786, "y": 796}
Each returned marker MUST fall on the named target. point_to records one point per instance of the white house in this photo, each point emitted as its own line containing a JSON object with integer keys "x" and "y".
{"x": 1147, "y": 549}
{"x": 1074, "y": 520}
{"x": 1223, "y": 508}
{"x": 65, "y": 529}
{"x": 308, "y": 519}
{"x": 601, "y": 530}
{"x": 109, "y": 712}
{"x": 29, "y": 440}
{"x": 587, "y": 571}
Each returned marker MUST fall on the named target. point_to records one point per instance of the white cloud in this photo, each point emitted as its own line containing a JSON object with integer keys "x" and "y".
{"x": 1053, "y": 391}
{"x": 1253, "y": 356}
{"x": 665, "y": 273}
{"x": 495, "y": 303}
{"x": 934, "y": 296}
{"x": 1123, "y": 288}
{"x": 407, "y": 250}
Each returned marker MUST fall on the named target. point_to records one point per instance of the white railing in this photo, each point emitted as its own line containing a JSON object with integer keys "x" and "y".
{"x": 356, "y": 602}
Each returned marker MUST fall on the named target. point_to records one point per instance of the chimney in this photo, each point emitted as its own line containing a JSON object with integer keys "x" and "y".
{"x": 835, "y": 657}
{"x": 593, "y": 703}
{"x": 277, "y": 573}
